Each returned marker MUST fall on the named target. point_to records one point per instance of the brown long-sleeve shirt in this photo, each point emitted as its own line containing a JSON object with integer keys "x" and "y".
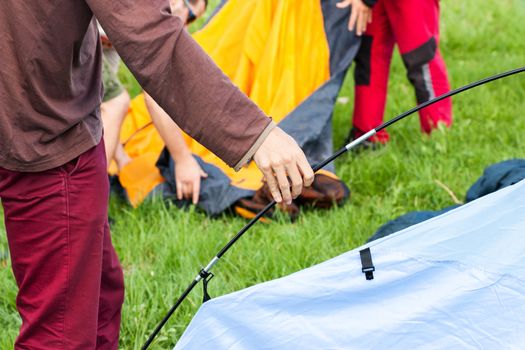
{"x": 50, "y": 81}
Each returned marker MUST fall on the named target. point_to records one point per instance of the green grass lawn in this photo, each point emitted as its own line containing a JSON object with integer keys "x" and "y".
{"x": 162, "y": 248}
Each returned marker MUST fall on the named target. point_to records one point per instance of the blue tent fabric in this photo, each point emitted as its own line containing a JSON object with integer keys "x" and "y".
{"x": 407, "y": 220}
{"x": 456, "y": 281}
{"x": 497, "y": 176}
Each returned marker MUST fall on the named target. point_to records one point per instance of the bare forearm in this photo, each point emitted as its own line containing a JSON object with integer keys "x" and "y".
{"x": 170, "y": 133}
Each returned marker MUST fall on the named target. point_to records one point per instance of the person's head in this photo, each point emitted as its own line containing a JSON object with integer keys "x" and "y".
{"x": 188, "y": 10}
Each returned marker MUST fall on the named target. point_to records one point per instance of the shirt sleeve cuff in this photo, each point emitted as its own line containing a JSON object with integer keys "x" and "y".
{"x": 248, "y": 156}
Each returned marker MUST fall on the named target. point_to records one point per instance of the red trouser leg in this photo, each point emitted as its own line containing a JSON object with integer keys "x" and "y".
{"x": 69, "y": 278}
{"x": 415, "y": 24}
{"x": 111, "y": 296}
{"x": 371, "y": 74}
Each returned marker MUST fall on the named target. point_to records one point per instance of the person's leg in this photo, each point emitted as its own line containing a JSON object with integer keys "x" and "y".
{"x": 111, "y": 296}
{"x": 56, "y": 224}
{"x": 371, "y": 74}
{"x": 416, "y": 28}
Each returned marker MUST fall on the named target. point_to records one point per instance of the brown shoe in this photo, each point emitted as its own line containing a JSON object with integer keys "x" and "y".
{"x": 326, "y": 191}
{"x": 249, "y": 207}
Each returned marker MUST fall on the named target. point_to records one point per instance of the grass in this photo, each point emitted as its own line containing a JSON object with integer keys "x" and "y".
{"x": 162, "y": 248}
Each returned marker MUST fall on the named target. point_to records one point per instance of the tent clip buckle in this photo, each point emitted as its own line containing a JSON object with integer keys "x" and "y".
{"x": 368, "y": 271}
{"x": 367, "y": 266}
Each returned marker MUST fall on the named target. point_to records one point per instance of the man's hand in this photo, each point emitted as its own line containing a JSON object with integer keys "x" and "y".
{"x": 360, "y": 17}
{"x": 280, "y": 158}
{"x": 188, "y": 176}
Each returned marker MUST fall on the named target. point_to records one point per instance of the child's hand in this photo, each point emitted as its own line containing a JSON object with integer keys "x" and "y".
{"x": 360, "y": 17}
{"x": 188, "y": 174}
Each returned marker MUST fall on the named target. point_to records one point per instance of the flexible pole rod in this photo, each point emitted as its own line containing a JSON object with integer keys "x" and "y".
{"x": 168, "y": 315}
{"x": 206, "y": 271}
{"x": 451, "y": 93}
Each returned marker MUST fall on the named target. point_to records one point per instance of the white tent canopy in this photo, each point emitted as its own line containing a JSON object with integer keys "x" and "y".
{"x": 454, "y": 282}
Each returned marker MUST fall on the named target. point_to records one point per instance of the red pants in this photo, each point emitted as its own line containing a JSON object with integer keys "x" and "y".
{"x": 414, "y": 26}
{"x": 70, "y": 282}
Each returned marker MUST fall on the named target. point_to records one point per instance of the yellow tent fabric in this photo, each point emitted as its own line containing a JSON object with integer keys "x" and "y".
{"x": 275, "y": 51}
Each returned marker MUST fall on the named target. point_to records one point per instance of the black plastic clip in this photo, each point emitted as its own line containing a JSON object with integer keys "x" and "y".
{"x": 206, "y": 277}
{"x": 367, "y": 264}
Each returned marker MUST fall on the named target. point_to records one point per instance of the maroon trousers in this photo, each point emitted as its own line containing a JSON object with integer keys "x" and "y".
{"x": 414, "y": 26}
{"x": 70, "y": 282}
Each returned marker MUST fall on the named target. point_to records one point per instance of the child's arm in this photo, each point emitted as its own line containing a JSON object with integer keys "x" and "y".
{"x": 361, "y": 14}
{"x": 188, "y": 173}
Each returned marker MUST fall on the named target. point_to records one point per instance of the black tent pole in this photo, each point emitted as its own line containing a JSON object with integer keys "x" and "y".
{"x": 205, "y": 272}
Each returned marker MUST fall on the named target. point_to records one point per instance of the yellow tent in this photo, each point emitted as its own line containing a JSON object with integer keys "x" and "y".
{"x": 276, "y": 51}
